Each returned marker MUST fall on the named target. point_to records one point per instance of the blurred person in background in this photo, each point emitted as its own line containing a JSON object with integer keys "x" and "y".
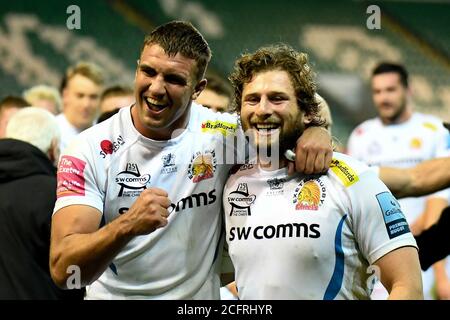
{"x": 28, "y": 156}
{"x": 8, "y": 106}
{"x": 44, "y": 96}
{"x": 401, "y": 137}
{"x": 116, "y": 97}
{"x": 217, "y": 94}
{"x": 81, "y": 98}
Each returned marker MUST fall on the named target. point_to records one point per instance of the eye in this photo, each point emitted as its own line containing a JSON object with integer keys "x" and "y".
{"x": 278, "y": 98}
{"x": 149, "y": 71}
{"x": 175, "y": 79}
{"x": 251, "y": 100}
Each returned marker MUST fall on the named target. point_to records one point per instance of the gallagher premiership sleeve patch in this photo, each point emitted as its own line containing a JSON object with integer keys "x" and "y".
{"x": 394, "y": 219}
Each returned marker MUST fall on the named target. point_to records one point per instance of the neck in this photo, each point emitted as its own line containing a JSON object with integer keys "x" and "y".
{"x": 269, "y": 165}
{"x": 72, "y": 123}
{"x": 401, "y": 118}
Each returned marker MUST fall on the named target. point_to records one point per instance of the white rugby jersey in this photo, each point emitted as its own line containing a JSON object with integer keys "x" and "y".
{"x": 402, "y": 145}
{"x": 68, "y": 131}
{"x": 110, "y": 164}
{"x": 310, "y": 237}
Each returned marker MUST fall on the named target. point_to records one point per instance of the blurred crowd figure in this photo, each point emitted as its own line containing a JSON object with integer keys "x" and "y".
{"x": 44, "y": 96}
{"x": 28, "y": 155}
{"x": 81, "y": 89}
{"x": 9, "y": 105}
{"x": 401, "y": 137}
{"x": 217, "y": 94}
{"x": 116, "y": 97}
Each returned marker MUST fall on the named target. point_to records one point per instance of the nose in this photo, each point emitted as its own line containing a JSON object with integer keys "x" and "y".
{"x": 157, "y": 86}
{"x": 89, "y": 102}
{"x": 264, "y": 108}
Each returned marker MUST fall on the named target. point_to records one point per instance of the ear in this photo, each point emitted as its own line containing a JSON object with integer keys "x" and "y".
{"x": 137, "y": 67}
{"x": 409, "y": 91}
{"x": 53, "y": 152}
{"x": 64, "y": 97}
{"x": 307, "y": 119}
{"x": 201, "y": 85}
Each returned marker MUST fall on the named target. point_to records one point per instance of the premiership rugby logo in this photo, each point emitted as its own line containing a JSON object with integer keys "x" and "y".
{"x": 202, "y": 166}
{"x": 309, "y": 195}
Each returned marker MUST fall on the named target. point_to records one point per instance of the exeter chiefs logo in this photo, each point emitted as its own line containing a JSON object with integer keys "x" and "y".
{"x": 202, "y": 166}
{"x": 309, "y": 195}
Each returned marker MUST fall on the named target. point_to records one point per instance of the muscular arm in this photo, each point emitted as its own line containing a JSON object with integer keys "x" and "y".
{"x": 427, "y": 177}
{"x": 400, "y": 274}
{"x": 77, "y": 240}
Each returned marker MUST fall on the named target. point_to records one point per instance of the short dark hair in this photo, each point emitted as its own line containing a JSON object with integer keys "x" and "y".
{"x": 219, "y": 85}
{"x": 13, "y": 102}
{"x": 387, "y": 67}
{"x": 278, "y": 57}
{"x": 116, "y": 91}
{"x": 107, "y": 114}
{"x": 181, "y": 37}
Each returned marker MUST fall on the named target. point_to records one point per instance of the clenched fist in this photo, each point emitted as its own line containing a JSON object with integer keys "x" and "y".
{"x": 148, "y": 213}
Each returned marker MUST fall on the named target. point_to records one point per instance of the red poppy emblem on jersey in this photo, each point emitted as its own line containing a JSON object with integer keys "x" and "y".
{"x": 107, "y": 146}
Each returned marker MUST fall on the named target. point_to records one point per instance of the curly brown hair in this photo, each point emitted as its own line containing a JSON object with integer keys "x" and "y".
{"x": 278, "y": 57}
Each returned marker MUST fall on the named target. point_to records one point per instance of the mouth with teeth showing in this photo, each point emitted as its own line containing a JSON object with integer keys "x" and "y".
{"x": 155, "y": 105}
{"x": 267, "y": 129}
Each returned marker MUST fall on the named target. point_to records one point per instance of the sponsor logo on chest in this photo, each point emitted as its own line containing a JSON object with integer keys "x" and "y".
{"x": 240, "y": 201}
{"x": 131, "y": 181}
{"x": 109, "y": 147}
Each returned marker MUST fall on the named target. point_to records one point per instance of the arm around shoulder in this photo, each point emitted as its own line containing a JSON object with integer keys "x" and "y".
{"x": 427, "y": 177}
